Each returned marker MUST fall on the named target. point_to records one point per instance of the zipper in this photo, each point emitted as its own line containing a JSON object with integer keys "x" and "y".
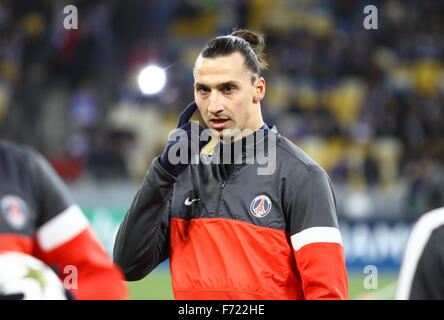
{"x": 222, "y": 187}
{"x": 233, "y": 172}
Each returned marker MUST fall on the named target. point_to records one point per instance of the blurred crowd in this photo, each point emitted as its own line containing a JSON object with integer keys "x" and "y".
{"x": 366, "y": 104}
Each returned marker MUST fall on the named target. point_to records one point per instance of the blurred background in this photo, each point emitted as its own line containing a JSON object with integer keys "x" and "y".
{"x": 367, "y": 105}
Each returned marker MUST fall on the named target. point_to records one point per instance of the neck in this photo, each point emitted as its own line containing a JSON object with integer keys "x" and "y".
{"x": 241, "y": 145}
{"x": 243, "y": 134}
{"x": 254, "y": 122}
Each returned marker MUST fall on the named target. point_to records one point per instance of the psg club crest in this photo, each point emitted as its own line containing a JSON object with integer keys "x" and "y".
{"x": 260, "y": 206}
{"x": 14, "y": 211}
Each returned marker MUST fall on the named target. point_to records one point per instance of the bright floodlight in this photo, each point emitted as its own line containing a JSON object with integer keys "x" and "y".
{"x": 151, "y": 79}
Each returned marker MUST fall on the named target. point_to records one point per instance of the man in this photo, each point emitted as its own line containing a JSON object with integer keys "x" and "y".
{"x": 39, "y": 218}
{"x": 231, "y": 232}
{"x": 422, "y": 271}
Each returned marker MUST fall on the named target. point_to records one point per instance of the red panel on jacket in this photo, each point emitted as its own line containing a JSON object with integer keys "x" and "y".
{"x": 214, "y": 258}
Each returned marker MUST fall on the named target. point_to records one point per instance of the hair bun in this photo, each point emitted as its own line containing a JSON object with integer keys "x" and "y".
{"x": 257, "y": 43}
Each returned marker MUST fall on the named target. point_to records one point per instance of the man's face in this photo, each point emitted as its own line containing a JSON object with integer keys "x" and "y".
{"x": 226, "y": 96}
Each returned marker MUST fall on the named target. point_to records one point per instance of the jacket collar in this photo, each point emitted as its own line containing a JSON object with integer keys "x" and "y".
{"x": 244, "y": 150}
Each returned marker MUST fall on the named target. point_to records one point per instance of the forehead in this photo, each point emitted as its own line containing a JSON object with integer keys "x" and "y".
{"x": 211, "y": 71}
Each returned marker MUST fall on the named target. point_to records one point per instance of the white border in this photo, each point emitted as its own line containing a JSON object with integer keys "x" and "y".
{"x": 62, "y": 228}
{"x": 315, "y": 235}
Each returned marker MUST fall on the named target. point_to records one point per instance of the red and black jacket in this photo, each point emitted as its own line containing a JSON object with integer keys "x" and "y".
{"x": 39, "y": 218}
{"x": 241, "y": 234}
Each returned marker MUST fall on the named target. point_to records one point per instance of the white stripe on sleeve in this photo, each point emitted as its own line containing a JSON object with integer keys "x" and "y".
{"x": 314, "y": 235}
{"x": 62, "y": 228}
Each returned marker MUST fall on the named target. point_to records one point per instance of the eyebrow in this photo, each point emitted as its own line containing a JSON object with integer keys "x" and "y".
{"x": 234, "y": 83}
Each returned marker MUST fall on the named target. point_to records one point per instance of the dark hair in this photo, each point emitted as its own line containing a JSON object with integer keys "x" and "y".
{"x": 250, "y": 44}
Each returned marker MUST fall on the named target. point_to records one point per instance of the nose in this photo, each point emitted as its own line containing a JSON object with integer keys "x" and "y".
{"x": 215, "y": 106}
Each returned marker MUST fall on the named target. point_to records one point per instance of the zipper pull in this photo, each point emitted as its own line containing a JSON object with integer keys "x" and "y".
{"x": 223, "y": 184}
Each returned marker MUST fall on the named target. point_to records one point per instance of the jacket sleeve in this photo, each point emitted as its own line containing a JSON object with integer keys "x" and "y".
{"x": 315, "y": 238}
{"x": 69, "y": 244}
{"x": 142, "y": 241}
{"x": 65, "y": 240}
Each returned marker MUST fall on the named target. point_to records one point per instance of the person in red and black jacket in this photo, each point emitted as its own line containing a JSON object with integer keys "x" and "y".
{"x": 232, "y": 227}
{"x": 38, "y": 217}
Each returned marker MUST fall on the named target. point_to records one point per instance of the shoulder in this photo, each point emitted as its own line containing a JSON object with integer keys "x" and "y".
{"x": 17, "y": 152}
{"x": 429, "y": 222}
{"x": 431, "y": 219}
{"x": 291, "y": 157}
{"x": 295, "y": 168}
{"x": 14, "y": 149}
{"x": 16, "y": 157}
{"x": 426, "y": 230}
{"x": 422, "y": 251}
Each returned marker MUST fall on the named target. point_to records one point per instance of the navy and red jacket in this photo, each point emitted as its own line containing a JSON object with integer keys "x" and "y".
{"x": 231, "y": 233}
{"x": 38, "y": 217}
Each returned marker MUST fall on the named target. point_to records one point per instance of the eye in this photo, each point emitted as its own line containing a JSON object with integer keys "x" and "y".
{"x": 228, "y": 88}
{"x": 203, "y": 90}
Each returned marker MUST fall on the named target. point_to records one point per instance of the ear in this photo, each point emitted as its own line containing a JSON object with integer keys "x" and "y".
{"x": 259, "y": 89}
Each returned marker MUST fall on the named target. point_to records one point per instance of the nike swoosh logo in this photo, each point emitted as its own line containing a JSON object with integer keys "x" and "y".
{"x": 188, "y": 202}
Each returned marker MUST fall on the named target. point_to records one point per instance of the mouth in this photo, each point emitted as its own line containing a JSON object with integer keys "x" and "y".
{"x": 219, "y": 123}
